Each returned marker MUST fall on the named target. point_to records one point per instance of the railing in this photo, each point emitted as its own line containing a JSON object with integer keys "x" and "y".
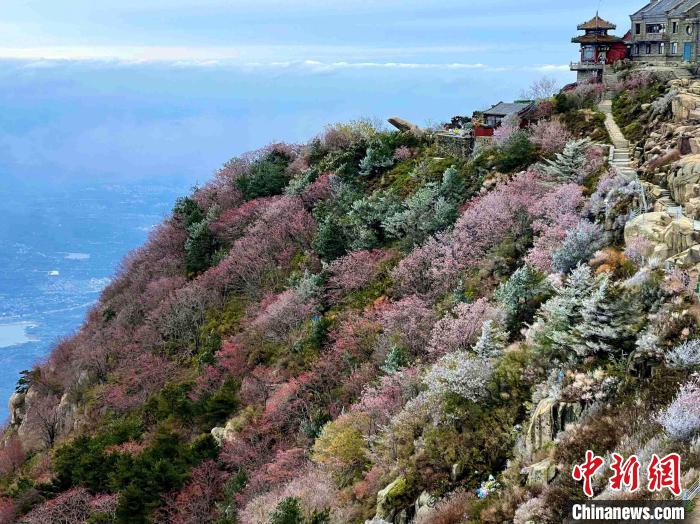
{"x": 691, "y": 492}
{"x": 586, "y": 66}
{"x": 652, "y": 37}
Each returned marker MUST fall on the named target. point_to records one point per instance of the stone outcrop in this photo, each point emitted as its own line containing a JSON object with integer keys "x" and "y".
{"x": 541, "y": 473}
{"x": 391, "y": 502}
{"x": 672, "y": 239}
{"x": 424, "y": 504}
{"x": 549, "y": 418}
{"x": 405, "y": 126}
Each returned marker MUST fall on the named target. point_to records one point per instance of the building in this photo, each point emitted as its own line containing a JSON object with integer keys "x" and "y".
{"x": 492, "y": 117}
{"x": 598, "y": 49}
{"x": 666, "y": 32}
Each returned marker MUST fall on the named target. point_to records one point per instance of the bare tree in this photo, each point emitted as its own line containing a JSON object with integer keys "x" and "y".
{"x": 44, "y": 419}
{"x": 545, "y": 87}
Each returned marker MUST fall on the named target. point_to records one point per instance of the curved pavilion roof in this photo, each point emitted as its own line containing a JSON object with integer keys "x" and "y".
{"x": 596, "y": 23}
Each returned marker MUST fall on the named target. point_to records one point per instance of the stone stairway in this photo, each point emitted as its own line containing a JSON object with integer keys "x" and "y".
{"x": 622, "y": 162}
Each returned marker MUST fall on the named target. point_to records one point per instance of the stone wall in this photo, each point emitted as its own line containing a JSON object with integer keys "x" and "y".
{"x": 454, "y": 145}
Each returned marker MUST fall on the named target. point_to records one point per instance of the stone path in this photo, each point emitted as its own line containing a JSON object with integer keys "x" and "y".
{"x": 622, "y": 162}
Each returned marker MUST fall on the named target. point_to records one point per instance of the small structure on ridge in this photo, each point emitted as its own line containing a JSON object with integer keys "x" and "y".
{"x": 598, "y": 49}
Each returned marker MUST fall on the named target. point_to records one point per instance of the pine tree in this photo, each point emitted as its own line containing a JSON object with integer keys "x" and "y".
{"x": 453, "y": 186}
{"x": 521, "y": 294}
{"x": 554, "y": 329}
{"x": 607, "y": 320}
{"x": 492, "y": 341}
{"x": 568, "y": 165}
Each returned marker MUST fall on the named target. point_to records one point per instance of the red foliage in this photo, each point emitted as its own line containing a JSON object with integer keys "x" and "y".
{"x": 321, "y": 189}
{"x": 7, "y": 510}
{"x": 285, "y": 466}
{"x": 138, "y": 377}
{"x": 267, "y": 248}
{"x": 354, "y": 271}
{"x": 11, "y": 456}
{"x": 233, "y": 223}
{"x": 195, "y": 502}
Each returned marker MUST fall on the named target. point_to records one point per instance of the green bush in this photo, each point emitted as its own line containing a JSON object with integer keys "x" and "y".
{"x": 517, "y": 153}
{"x": 140, "y": 480}
{"x": 266, "y": 177}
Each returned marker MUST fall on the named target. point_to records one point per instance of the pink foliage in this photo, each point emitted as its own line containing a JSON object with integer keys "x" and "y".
{"x": 558, "y": 213}
{"x": 195, "y": 502}
{"x": 410, "y": 320}
{"x": 462, "y": 328}
{"x": 74, "y": 505}
{"x": 638, "y": 80}
{"x": 314, "y": 488}
{"x": 7, "y": 510}
{"x": 354, "y": 271}
{"x": 387, "y": 398}
{"x": 506, "y": 130}
{"x": 268, "y": 246}
{"x": 550, "y": 136}
{"x": 282, "y": 314}
{"x": 11, "y": 456}
{"x": 638, "y": 249}
{"x": 319, "y": 190}
{"x": 412, "y": 274}
{"x": 403, "y": 153}
{"x": 508, "y": 210}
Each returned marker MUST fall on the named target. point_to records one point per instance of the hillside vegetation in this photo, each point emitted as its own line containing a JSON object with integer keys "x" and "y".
{"x": 361, "y": 328}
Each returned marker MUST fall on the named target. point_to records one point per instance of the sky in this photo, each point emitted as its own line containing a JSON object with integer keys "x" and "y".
{"x": 170, "y": 89}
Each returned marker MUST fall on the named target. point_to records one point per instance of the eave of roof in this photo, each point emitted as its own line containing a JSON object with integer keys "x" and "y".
{"x": 596, "y": 39}
{"x": 683, "y": 7}
{"x": 507, "y": 108}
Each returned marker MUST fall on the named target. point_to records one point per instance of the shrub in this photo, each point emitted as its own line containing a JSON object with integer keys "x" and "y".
{"x": 492, "y": 341}
{"x": 430, "y": 209}
{"x": 685, "y": 355}
{"x": 353, "y": 272}
{"x": 517, "y": 152}
{"x": 681, "y": 419}
{"x": 638, "y": 249}
{"x": 459, "y": 374}
{"x": 571, "y": 164}
{"x": 551, "y": 136}
{"x": 579, "y": 246}
{"x": 376, "y": 159}
{"x": 267, "y": 176}
{"x": 615, "y": 199}
{"x": 341, "y": 447}
{"x": 460, "y": 329}
{"x": 367, "y": 217}
{"x": 288, "y": 511}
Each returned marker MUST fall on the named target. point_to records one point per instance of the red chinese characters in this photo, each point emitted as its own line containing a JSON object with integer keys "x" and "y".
{"x": 587, "y": 470}
{"x": 665, "y": 473}
{"x": 662, "y": 473}
{"x": 626, "y": 473}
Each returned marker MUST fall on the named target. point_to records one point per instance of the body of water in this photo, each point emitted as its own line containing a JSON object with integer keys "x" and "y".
{"x": 60, "y": 249}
